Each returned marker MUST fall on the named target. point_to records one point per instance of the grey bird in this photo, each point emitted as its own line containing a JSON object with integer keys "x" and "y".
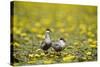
{"x": 47, "y": 42}
{"x": 59, "y": 45}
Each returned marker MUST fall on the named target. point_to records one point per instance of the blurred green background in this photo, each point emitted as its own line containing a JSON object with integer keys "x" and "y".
{"x": 76, "y": 23}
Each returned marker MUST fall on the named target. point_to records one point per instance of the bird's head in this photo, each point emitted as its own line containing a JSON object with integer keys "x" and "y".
{"x": 62, "y": 39}
{"x": 62, "y": 42}
{"x": 48, "y": 30}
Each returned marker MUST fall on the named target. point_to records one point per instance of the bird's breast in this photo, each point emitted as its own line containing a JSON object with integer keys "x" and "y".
{"x": 61, "y": 43}
{"x": 48, "y": 41}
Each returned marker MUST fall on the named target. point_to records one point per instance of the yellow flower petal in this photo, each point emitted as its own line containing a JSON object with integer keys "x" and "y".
{"x": 40, "y": 36}
{"x": 31, "y": 55}
{"x": 48, "y": 62}
{"x": 37, "y": 55}
{"x": 18, "y": 32}
{"x": 27, "y": 38}
{"x": 68, "y": 58}
{"x": 43, "y": 54}
{"x": 38, "y": 50}
{"x": 16, "y": 44}
{"x": 90, "y": 40}
{"x": 34, "y": 30}
{"x": 23, "y": 34}
{"x": 89, "y": 33}
{"x": 62, "y": 30}
{"x": 88, "y": 53}
{"x": 94, "y": 42}
{"x": 93, "y": 46}
{"x": 37, "y": 24}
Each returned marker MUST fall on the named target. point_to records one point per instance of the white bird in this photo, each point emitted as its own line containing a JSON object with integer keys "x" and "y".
{"x": 46, "y": 43}
{"x": 59, "y": 45}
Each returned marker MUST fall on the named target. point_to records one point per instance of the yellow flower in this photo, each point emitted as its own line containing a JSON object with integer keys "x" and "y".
{"x": 40, "y": 36}
{"x": 43, "y": 54}
{"x": 59, "y": 24}
{"x": 41, "y": 31}
{"x": 17, "y": 31}
{"x": 14, "y": 29}
{"x": 23, "y": 34}
{"x": 76, "y": 43}
{"x": 34, "y": 29}
{"x": 16, "y": 44}
{"x": 37, "y": 24}
{"x": 48, "y": 62}
{"x": 27, "y": 38}
{"x": 38, "y": 50}
{"x": 93, "y": 45}
{"x": 90, "y": 40}
{"x": 94, "y": 42}
{"x": 90, "y": 34}
{"x": 51, "y": 55}
{"x": 37, "y": 55}
{"x": 89, "y": 53}
{"x": 68, "y": 58}
{"x": 62, "y": 30}
{"x": 31, "y": 55}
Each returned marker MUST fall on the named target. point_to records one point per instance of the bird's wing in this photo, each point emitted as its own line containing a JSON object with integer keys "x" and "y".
{"x": 42, "y": 44}
{"x": 54, "y": 43}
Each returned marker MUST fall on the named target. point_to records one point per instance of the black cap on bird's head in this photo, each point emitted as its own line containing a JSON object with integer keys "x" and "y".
{"x": 62, "y": 39}
{"x": 48, "y": 30}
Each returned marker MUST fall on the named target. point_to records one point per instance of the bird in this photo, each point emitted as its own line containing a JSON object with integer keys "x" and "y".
{"x": 59, "y": 45}
{"x": 47, "y": 42}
